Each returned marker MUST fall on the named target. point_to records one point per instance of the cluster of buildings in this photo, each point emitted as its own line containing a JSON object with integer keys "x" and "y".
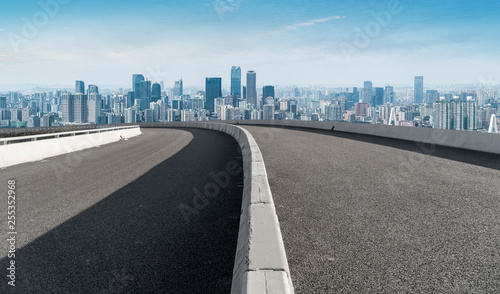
{"x": 457, "y": 109}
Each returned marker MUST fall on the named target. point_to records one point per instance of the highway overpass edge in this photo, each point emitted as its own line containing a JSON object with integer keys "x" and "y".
{"x": 260, "y": 263}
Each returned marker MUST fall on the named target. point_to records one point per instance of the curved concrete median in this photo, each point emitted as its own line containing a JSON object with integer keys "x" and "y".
{"x": 260, "y": 264}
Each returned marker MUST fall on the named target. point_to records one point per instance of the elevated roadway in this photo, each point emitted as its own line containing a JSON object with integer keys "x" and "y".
{"x": 363, "y": 214}
{"x": 107, "y": 220}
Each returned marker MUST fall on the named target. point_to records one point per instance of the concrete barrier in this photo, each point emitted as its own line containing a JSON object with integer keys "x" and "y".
{"x": 17, "y": 150}
{"x": 260, "y": 265}
{"x": 469, "y": 140}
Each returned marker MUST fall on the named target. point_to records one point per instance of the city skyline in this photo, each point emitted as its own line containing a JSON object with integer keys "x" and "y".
{"x": 289, "y": 43}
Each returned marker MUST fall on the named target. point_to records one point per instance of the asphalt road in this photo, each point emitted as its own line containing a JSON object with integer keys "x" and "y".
{"x": 361, "y": 214}
{"x": 107, "y": 220}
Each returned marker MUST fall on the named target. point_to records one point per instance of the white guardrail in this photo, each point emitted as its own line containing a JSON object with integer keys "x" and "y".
{"x": 260, "y": 265}
{"x": 20, "y": 139}
{"x": 17, "y": 150}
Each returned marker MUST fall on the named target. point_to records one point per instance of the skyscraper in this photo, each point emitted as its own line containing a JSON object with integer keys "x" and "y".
{"x": 389, "y": 94}
{"x": 252, "y": 88}
{"x": 268, "y": 91}
{"x": 145, "y": 94}
{"x": 213, "y": 90}
{"x": 419, "y": 89}
{"x": 81, "y": 112}
{"x": 378, "y": 98}
{"x": 93, "y": 89}
{"x": 431, "y": 96}
{"x": 67, "y": 108}
{"x": 156, "y": 92}
{"x": 367, "y": 92}
{"x": 3, "y": 102}
{"x": 236, "y": 82}
{"x": 178, "y": 88}
{"x": 94, "y": 107}
{"x": 136, "y": 84}
{"x": 79, "y": 87}
{"x": 268, "y": 112}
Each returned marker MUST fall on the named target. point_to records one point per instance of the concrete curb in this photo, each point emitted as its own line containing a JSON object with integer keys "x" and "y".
{"x": 260, "y": 265}
{"x": 12, "y": 154}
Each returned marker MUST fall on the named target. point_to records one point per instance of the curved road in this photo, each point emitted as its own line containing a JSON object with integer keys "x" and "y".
{"x": 107, "y": 220}
{"x": 361, "y": 214}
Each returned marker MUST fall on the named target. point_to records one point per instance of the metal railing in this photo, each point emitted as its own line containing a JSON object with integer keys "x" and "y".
{"x": 14, "y": 140}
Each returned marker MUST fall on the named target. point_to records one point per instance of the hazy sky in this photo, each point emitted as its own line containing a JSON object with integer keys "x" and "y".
{"x": 300, "y": 42}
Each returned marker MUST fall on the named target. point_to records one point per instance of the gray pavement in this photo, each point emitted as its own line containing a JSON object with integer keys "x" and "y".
{"x": 107, "y": 220}
{"x": 361, "y": 214}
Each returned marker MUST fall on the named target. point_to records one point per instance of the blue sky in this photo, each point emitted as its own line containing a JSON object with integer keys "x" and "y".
{"x": 331, "y": 43}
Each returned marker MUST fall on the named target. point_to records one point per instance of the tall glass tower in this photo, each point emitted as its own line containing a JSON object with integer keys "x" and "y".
{"x": 145, "y": 94}
{"x": 136, "y": 83}
{"x": 79, "y": 87}
{"x": 367, "y": 93}
{"x": 178, "y": 88}
{"x": 156, "y": 92}
{"x": 213, "y": 89}
{"x": 236, "y": 82}
{"x": 252, "y": 88}
{"x": 419, "y": 89}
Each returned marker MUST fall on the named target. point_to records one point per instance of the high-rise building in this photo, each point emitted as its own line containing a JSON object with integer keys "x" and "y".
{"x": 81, "y": 112}
{"x": 27, "y": 112}
{"x": 130, "y": 116}
{"x": 213, "y": 90}
{"x": 471, "y": 114}
{"x": 268, "y": 91}
{"x": 3, "y": 102}
{"x": 252, "y": 89}
{"x": 361, "y": 109}
{"x": 367, "y": 92}
{"x": 67, "y": 108}
{"x": 389, "y": 95}
{"x": 136, "y": 84}
{"x": 94, "y": 107}
{"x": 431, "y": 96}
{"x": 419, "y": 89}
{"x": 378, "y": 98}
{"x": 145, "y": 94}
{"x": 455, "y": 115}
{"x": 178, "y": 88}
{"x": 156, "y": 92}
{"x": 333, "y": 112}
{"x": 79, "y": 87}
{"x": 244, "y": 93}
{"x": 268, "y": 112}
{"x": 236, "y": 83}
{"x": 93, "y": 89}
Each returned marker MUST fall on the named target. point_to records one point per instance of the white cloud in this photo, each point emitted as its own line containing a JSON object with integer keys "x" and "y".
{"x": 306, "y": 24}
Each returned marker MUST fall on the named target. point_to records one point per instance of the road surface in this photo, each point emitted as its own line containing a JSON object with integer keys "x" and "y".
{"x": 361, "y": 214}
{"x": 107, "y": 220}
